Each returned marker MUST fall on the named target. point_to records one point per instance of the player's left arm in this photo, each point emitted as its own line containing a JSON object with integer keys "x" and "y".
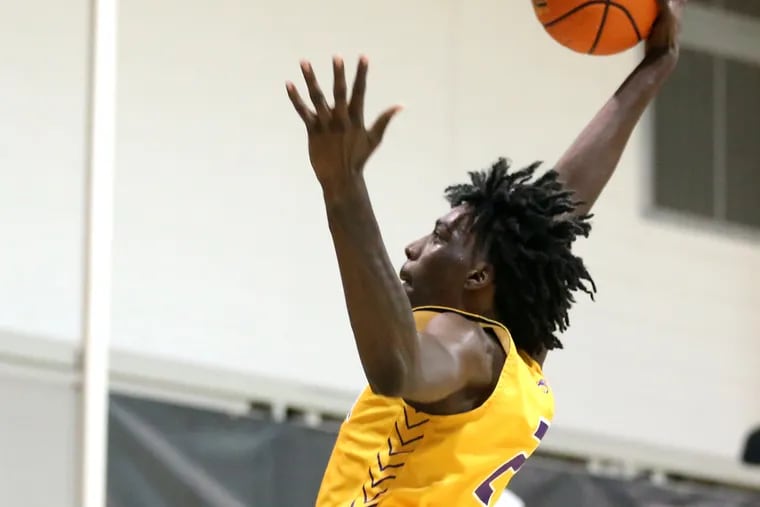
{"x": 588, "y": 164}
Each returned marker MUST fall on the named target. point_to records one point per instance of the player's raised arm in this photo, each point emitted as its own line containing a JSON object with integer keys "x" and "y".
{"x": 397, "y": 360}
{"x": 588, "y": 164}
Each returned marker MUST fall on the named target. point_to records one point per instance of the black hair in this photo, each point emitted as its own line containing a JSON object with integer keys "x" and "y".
{"x": 526, "y": 229}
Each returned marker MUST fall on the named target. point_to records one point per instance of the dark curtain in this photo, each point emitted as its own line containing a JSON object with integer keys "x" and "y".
{"x": 163, "y": 455}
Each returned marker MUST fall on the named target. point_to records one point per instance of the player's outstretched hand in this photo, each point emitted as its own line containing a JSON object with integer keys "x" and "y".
{"x": 339, "y": 142}
{"x": 663, "y": 40}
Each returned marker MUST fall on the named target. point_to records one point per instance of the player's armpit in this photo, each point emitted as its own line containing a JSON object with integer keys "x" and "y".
{"x": 454, "y": 353}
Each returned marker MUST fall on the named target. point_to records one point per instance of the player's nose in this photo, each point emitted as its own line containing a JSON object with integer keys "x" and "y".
{"x": 412, "y": 250}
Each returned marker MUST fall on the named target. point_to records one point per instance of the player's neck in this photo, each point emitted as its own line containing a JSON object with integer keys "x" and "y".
{"x": 540, "y": 356}
{"x": 488, "y": 313}
{"x": 478, "y": 305}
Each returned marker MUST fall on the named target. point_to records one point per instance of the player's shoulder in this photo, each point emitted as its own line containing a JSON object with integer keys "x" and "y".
{"x": 454, "y": 329}
{"x": 457, "y": 326}
{"x": 451, "y": 317}
{"x": 481, "y": 352}
{"x": 448, "y": 319}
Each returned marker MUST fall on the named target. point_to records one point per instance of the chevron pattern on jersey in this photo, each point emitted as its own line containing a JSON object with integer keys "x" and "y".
{"x": 406, "y": 432}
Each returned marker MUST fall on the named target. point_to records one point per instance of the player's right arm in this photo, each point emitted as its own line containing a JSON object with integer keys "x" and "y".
{"x": 450, "y": 353}
{"x": 587, "y": 166}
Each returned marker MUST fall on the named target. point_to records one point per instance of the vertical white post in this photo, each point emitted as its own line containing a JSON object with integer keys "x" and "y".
{"x": 96, "y": 319}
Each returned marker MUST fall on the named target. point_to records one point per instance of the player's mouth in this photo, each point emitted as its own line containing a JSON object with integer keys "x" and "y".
{"x": 406, "y": 279}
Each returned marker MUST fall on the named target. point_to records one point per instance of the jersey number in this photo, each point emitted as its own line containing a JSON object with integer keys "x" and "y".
{"x": 484, "y": 492}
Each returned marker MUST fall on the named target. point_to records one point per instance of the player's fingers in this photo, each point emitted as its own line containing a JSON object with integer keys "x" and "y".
{"x": 674, "y": 8}
{"x": 339, "y": 91}
{"x": 664, "y": 10}
{"x": 677, "y": 6}
{"x": 308, "y": 117}
{"x": 356, "y": 107}
{"x": 666, "y": 22}
{"x": 377, "y": 131}
{"x": 315, "y": 92}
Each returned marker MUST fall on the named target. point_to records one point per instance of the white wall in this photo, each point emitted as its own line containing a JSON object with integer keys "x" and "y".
{"x": 43, "y": 56}
{"x": 222, "y": 255}
{"x": 217, "y": 206}
{"x": 38, "y": 464}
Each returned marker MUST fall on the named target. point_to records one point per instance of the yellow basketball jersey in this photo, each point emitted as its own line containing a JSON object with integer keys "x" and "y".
{"x": 389, "y": 454}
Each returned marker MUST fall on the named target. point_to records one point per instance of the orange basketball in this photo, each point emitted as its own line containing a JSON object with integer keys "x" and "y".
{"x": 597, "y": 27}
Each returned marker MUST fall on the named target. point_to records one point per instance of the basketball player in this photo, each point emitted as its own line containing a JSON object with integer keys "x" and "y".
{"x": 453, "y": 347}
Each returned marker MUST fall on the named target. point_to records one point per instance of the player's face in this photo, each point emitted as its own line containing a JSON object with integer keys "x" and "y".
{"x": 439, "y": 263}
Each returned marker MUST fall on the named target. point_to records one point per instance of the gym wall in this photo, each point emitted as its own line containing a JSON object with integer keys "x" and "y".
{"x": 222, "y": 255}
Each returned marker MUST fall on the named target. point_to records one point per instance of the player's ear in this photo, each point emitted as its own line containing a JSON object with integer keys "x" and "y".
{"x": 481, "y": 275}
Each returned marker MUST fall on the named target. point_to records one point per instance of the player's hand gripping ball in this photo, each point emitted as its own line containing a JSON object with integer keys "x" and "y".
{"x": 597, "y": 27}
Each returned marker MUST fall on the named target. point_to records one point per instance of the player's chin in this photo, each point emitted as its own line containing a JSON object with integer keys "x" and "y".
{"x": 409, "y": 291}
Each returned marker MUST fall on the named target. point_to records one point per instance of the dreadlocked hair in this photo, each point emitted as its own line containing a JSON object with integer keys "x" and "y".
{"x": 526, "y": 228}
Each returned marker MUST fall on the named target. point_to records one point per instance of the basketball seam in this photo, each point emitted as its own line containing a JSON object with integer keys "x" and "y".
{"x": 573, "y": 11}
{"x": 601, "y": 27}
{"x": 630, "y": 18}
{"x": 607, "y": 5}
